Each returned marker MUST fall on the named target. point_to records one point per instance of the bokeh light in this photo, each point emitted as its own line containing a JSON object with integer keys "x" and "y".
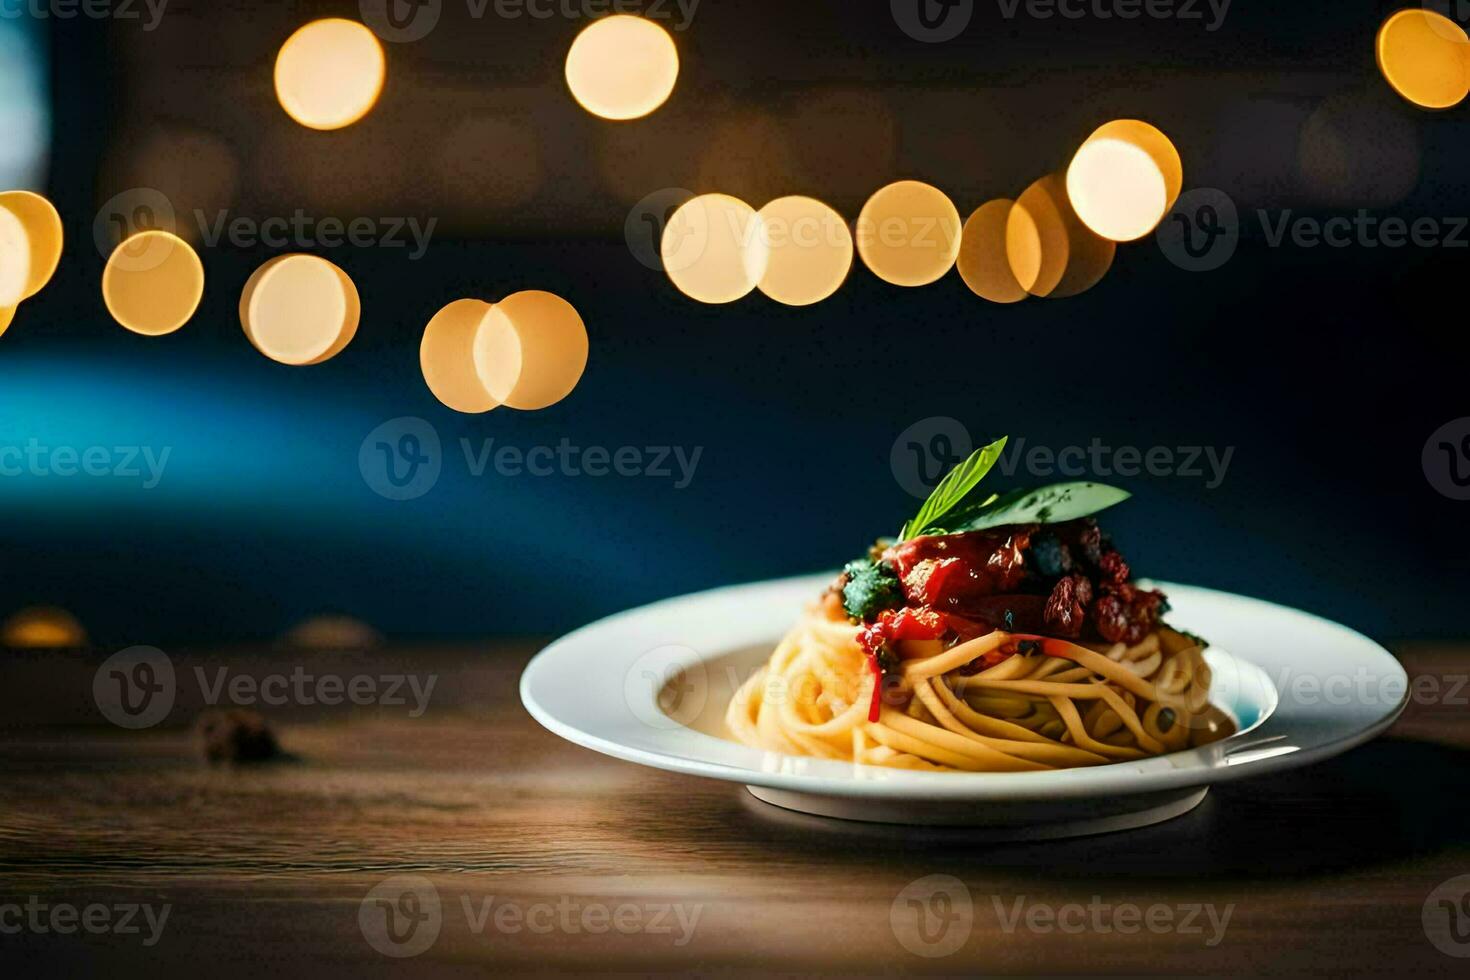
{"x": 713, "y": 248}
{"x": 299, "y": 309}
{"x": 1050, "y": 250}
{"x": 7, "y": 316}
{"x": 332, "y": 633}
{"x": 622, "y": 67}
{"x": 43, "y": 231}
{"x": 531, "y": 350}
{"x": 447, "y": 357}
{"x": 15, "y": 258}
{"x": 984, "y": 261}
{"x": 1359, "y": 148}
{"x": 1124, "y": 179}
{"x": 909, "y": 234}
{"x": 192, "y": 169}
{"x": 747, "y": 156}
{"x": 153, "y": 283}
{"x": 330, "y": 73}
{"x": 1423, "y": 56}
{"x": 810, "y": 250}
{"x": 42, "y": 628}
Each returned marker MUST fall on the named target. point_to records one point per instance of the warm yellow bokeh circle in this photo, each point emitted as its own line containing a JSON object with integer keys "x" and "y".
{"x": 984, "y": 261}
{"x": 15, "y": 258}
{"x": 300, "y": 310}
{"x": 1425, "y": 57}
{"x": 447, "y": 357}
{"x": 714, "y": 250}
{"x": 531, "y": 350}
{"x": 809, "y": 250}
{"x": 1052, "y": 253}
{"x": 43, "y": 230}
{"x": 1124, "y": 180}
{"x": 909, "y": 233}
{"x": 330, "y": 73}
{"x": 622, "y": 67}
{"x": 153, "y": 283}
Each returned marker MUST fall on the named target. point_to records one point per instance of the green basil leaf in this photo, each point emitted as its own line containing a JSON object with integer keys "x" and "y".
{"x": 954, "y": 490}
{"x": 1055, "y": 504}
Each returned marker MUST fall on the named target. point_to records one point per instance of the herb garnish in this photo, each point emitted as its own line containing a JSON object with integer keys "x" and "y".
{"x": 957, "y": 506}
{"x": 872, "y": 586}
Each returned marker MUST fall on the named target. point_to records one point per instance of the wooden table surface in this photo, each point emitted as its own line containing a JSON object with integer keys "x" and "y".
{"x": 547, "y": 857}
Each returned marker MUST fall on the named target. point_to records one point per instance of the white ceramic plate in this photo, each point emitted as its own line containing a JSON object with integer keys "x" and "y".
{"x": 651, "y": 685}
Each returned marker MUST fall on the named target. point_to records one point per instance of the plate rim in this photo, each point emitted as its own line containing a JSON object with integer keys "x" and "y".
{"x": 1077, "y": 783}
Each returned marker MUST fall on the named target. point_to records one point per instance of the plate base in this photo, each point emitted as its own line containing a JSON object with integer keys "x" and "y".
{"x": 1010, "y": 821}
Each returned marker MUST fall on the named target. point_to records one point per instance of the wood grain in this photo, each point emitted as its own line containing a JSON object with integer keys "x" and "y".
{"x": 265, "y": 869}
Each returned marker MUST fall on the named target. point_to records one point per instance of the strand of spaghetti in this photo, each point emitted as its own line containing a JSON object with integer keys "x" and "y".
{"x": 740, "y": 715}
{"x": 1130, "y": 719}
{"x": 1047, "y": 753}
{"x": 924, "y": 748}
{"x": 838, "y": 725}
{"x": 1100, "y": 665}
{"x": 984, "y": 724}
{"x": 900, "y": 742}
{"x": 957, "y": 656}
{"x": 1144, "y": 668}
{"x": 1146, "y": 647}
{"x": 1068, "y": 712}
{"x": 1072, "y": 676}
{"x": 1044, "y": 688}
{"x": 994, "y": 758}
{"x": 885, "y": 756}
{"x": 1048, "y": 668}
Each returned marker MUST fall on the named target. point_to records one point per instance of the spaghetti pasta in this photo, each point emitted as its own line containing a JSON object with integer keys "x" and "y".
{"x": 997, "y": 633}
{"x": 1059, "y": 704}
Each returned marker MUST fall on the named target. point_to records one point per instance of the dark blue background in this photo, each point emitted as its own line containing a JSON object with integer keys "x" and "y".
{"x": 1326, "y": 369}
